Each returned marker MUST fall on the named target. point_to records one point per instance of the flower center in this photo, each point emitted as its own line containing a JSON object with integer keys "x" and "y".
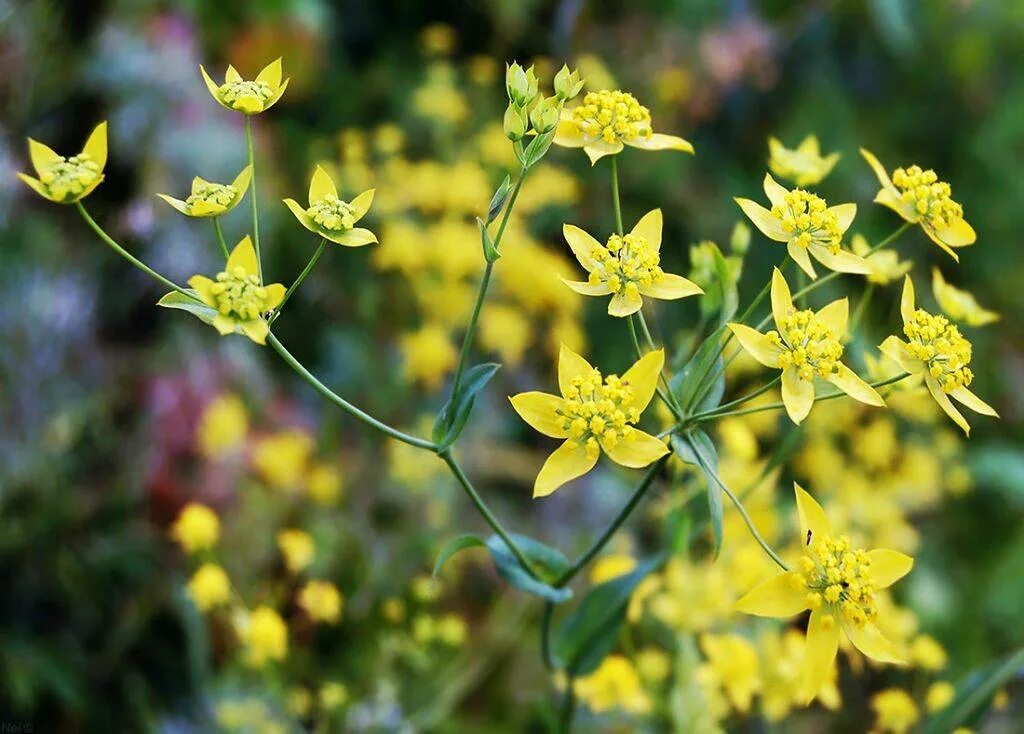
{"x": 69, "y": 175}
{"x": 808, "y": 343}
{"x": 332, "y": 213}
{"x": 612, "y": 116}
{"x": 231, "y": 92}
{"x": 239, "y": 294}
{"x": 211, "y": 193}
{"x": 839, "y": 579}
{"x": 942, "y": 347}
{"x": 807, "y": 219}
{"x": 931, "y": 198}
{"x": 596, "y": 410}
{"x": 627, "y": 262}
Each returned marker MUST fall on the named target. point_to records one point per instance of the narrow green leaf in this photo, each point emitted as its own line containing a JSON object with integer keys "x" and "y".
{"x": 547, "y": 561}
{"x": 453, "y": 416}
{"x": 696, "y": 447}
{"x": 498, "y": 200}
{"x": 728, "y": 287}
{"x": 974, "y": 693}
{"x": 491, "y": 252}
{"x": 537, "y": 148}
{"x": 690, "y": 381}
{"x": 455, "y": 545}
{"x": 194, "y": 305}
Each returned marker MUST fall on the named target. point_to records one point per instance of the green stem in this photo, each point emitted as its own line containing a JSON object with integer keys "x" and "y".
{"x": 128, "y": 256}
{"x": 568, "y": 708}
{"x": 220, "y": 237}
{"x": 298, "y": 281}
{"x": 750, "y": 396}
{"x": 366, "y": 418}
{"x": 862, "y": 306}
{"x": 664, "y": 394}
{"x": 252, "y": 197}
{"x": 545, "y": 637}
{"x": 615, "y": 194}
{"x": 486, "y": 513}
{"x": 668, "y": 397}
{"x": 485, "y": 281}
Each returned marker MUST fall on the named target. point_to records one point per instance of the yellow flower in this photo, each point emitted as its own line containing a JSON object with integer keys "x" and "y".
{"x": 322, "y": 601}
{"x": 940, "y": 693}
{"x": 197, "y": 528}
{"x": 264, "y": 634}
{"x": 593, "y": 415}
{"x": 653, "y": 664}
{"x": 237, "y": 295}
{"x": 920, "y": 198}
{"x": 329, "y": 216}
{"x": 960, "y": 305}
{"x": 885, "y": 265}
{"x": 627, "y": 268}
{"x": 611, "y": 567}
{"x": 615, "y": 684}
{"x": 803, "y": 165}
{"x": 838, "y": 584}
{"x": 67, "y": 180}
{"x": 608, "y": 120}
{"x": 806, "y": 345}
{"x": 897, "y": 712}
{"x": 732, "y": 661}
{"x": 451, "y": 630}
{"x": 250, "y": 97}
{"x": 428, "y": 355}
{"x": 210, "y": 199}
{"x": 332, "y": 695}
{"x": 323, "y": 484}
{"x": 281, "y": 459}
{"x": 223, "y": 426}
{"x": 937, "y": 351}
{"x": 926, "y": 652}
{"x": 807, "y": 224}
{"x": 297, "y": 548}
{"x": 209, "y": 587}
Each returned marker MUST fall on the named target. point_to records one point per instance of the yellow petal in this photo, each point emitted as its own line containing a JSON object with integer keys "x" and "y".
{"x": 757, "y": 345}
{"x": 176, "y": 203}
{"x": 625, "y": 303}
{"x": 541, "y": 411}
{"x": 36, "y": 185}
{"x": 896, "y": 349}
{"x": 96, "y": 146}
{"x": 775, "y": 191}
{"x": 568, "y": 135}
{"x": 361, "y": 204}
{"x": 271, "y": 74}
{"x": 642, "y": 377}
{"x": 649, "y": 227}
{"x": 845, "y": 213}
{"x": 959, "y": 234}
{"x": 888, "y": 566}
{"x": 241, "y": 184}
{"x": 870, "y": 641}
{"x": 570, "y": 365}
{"x": 879, "y": 169}
{"x": 820, "y": 653}
{"x": 782, "y": 299}
{"x": 842, "y": 261}
{"x": 660, "y": 141}
{"x": 801, "y": 258}
{"x": 783, "y": 595}
{"x": 211, "y": 85}
{"x": 669, "y": 287}
{"x": 570, "y": 460}
{"x": 809, "y": 146}
{"x": 321, "y": 185}
{"x": 762, "y": 218}
{"x": 224, "y": 324}
{"x": 945, "y": 403}
{"x": 582, "y": 245}
{"x": 812, "y": 517}
{"x": 301, "y": 215}
{"x": 42, "y": 155}
{"x": 637, "y": 451}
{"x": 972, "y": 401}
{"x": 244, "y": 256}
{"x": 232, "y": 75}
{"x": 205, "y": 209}
{"x": 355, "y": 237}
{"x": 850, "y": 383}
{"x": 587, "y": 288}
{"x": 277, "y": 95}
{"x": 891, "y": 199}
{"x": 248, "y": 104}
{"x": 256, "y": 330}
{"x": 275, "y": 294}
{"x": 201, "y": 285}
{"x": 835, "y": 316}
{"x": 907, "y": 300}
{"x": 599, "y": 149}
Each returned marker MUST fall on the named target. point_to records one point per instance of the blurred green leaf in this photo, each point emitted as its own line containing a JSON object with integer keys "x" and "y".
{"x": 1000, "y": 466}
{"x": 728, "y": 287}
{"x": 687, "y": 384}
{"x": 548, "y": 562}
{"x": 453, "y": 546}
{"x": 194, "y": 306}
{"x": 498, "y": 200}
{"x": 696, "y": 447}
{"x": 974, "y": 694}
{"x": 491, "y": 252}
{"x": 453, "y": 416}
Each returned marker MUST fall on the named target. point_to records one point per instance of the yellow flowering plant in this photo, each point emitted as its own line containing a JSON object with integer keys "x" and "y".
{"x": 694, "y": 448}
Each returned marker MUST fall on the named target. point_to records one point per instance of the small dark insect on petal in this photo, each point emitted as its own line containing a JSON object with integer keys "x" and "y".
{"x": 809, "y": 534}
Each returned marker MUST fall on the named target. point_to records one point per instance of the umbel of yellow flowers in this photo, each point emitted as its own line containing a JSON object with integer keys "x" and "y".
{"x": 958, "y": 304}
{"x": 67, "y": 180}
{"x": 803, "y": 165}
{"x": 238, "y": 296}
{"x": 607, "y": 121}
{"x": 249, "y": 97}
{"x": 808, "y": 226}
{"x": 936, "y": 350}
{"x": 627, "y": 268}
{"x": 211, "y": 199}
{"x": 837, "y": 583}
{"x": 329, "y": 216}
{"x": 593, "y": 414}
{"x": 920, "y": 198}
{"x": 806, "y": 345}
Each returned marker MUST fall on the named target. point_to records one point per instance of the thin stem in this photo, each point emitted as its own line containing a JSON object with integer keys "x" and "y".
{"x": 862, "y": 306}
{"x": 128, "y": 256}
{"x": 485, "y": 281}
{"x": 220, "y": 237}
{"x": 344, "y": 404}
{"x": 750, "y": 396}
{"x": 298, "y": 281}
{"x": 545, "y": 636}
{"x": 568, "y": 708}
{"x": 252, "y": 197}
{"x": 615, "y": 194}
{"x": 663, "y": 392}
{"x": 486, "y": 513}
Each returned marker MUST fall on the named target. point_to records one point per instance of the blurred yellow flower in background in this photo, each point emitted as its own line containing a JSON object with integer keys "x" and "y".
{"x": 322, "y": 601}
{"x": 960, "y": 305}
{"x": 264, "y": 634}
{"x": 209, "y": 587}
{"x": 611, "y": 567}
{"x": 222, "y": 426}
{"x": 296, "y": 548}
{"x": 803, "y": 165}
{"x": 428, "y": 355}
{"x": 67, "y": 180}
{"x": 896, "y": 710}
{"x": 732, "y": 662}
{"x": 211, "y": 199}
{"x": 885, "y": 265}
{"x": 615, "y": 684}
{"x": 249, "y": 97}
{"x": 197, "y": 528}
{"x": 324, "y": 484}
{"x": 281, "y": 459}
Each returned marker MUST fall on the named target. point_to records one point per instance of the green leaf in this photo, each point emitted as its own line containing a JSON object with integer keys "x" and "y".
{"x": 589, "y": 633}
{"x": 696, "y": 447}
{"x": 548, "y": 562}
{"x": 453, "y": 416}
{"x": 974, "y": 693}
{"x": 537, "y": 148}
{"x": 453, "y": 546}
{"x": 1001, "y": 466}
{"x": 728, "y": 287}
{"x": 498, "y": 200}
{"x": 692, "y": 379}
{"x": 491, "y": 252}
{"x": 194, "y": 305}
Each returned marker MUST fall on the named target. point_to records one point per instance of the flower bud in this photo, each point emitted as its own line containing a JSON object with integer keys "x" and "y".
{"x": 515, "y": 122}
{"x": 520, "y": 84}
{"x": 568, "y": 83}
{"x": 544, "y": 115}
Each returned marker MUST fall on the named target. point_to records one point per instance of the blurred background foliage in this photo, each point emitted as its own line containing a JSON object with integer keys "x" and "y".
{"x": 102, "y": 395}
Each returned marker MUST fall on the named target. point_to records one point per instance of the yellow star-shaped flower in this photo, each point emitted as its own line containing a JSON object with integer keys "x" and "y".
{"x": 211, "y": 199}
{"x": 329, "y": 216}
{"x": 249, "y": 97}
{"x": 67, "y": 180}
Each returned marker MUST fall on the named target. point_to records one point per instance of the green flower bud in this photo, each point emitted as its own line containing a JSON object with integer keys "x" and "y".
{"x": 568, "y": 84}
{"x": 520, "y": 84}
{"x": 544, "y": 115}
{"x": 515, "y": 122}
{"x": 740, "y": 240}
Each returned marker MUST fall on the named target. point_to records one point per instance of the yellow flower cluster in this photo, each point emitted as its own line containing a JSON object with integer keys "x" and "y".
{"x": 806, "y": 218}
{"x": 808, "y": 344}
{"x": 941, "y": 346}
{"x": 612, "y": 116}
